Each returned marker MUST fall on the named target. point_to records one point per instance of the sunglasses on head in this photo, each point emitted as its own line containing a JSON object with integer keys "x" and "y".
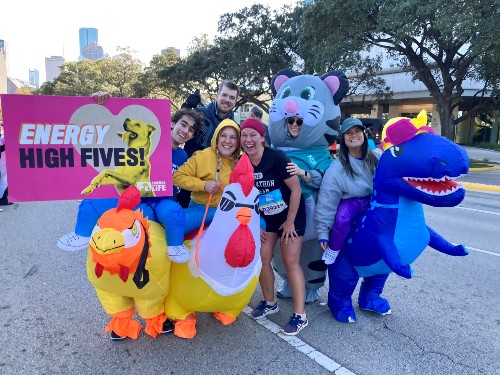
{"x": 292, "y": 120}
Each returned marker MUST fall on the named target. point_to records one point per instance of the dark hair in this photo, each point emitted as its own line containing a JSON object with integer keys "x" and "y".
{"x": 197, "y": 116}
{"x": 367, "y": 154}
{"x": 256, "y": 111}
{"x": 230, "y": 85}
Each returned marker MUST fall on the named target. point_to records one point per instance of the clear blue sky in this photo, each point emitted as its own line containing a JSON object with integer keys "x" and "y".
{"x": 37, "y": 29}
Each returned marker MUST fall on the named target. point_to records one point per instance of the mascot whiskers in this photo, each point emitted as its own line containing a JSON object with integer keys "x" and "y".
{"x": 315, "y": 100}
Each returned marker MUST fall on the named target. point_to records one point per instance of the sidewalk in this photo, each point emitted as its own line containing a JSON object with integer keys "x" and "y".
{"x": 482, "y": 154}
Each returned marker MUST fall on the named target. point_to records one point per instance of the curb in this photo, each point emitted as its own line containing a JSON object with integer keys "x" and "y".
{"x": 484, "y": 169}
{"x": 481, "y": 187}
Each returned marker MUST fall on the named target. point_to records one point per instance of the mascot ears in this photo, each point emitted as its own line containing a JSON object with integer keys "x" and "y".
{"x": 281, "y": 77}
{"x": 336, "y": 81}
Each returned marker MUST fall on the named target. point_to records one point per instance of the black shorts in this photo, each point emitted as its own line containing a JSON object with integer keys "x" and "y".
{"x": 273, "y": 222}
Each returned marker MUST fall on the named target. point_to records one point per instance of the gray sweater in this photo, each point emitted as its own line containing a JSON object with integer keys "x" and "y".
{"x": 337, "y": 184}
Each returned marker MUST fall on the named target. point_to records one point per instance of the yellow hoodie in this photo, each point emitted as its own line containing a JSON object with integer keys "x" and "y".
{"x": 202, "y": 166}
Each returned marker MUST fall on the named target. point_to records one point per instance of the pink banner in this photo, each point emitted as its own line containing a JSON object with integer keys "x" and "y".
{"x": 61, "y": 147}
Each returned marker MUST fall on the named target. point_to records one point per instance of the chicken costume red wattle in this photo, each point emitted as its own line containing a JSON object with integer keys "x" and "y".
{"x": 224, "y": 266}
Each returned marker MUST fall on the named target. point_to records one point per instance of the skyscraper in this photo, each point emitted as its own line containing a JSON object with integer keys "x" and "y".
{"x": 88, "y": 35}
{"x": 53, "y": 67}
{"x": 35, "y": 78}
{"x": 93, "y": 51}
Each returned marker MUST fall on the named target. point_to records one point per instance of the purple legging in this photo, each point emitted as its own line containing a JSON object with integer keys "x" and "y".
{"x": 348, "y": 210}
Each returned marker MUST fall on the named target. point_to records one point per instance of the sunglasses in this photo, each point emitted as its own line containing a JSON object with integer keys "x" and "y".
{"x": 292, "y": 120}
{"x": 227, "y": 204}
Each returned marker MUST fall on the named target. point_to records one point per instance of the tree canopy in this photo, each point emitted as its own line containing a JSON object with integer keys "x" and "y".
{"x": 115, "y": 75}
{"x": 441, "y": 44}
{"x": 252, "y": 45}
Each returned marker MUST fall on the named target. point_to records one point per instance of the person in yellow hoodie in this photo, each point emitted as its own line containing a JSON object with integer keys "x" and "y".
{"x": 205, "y": 174}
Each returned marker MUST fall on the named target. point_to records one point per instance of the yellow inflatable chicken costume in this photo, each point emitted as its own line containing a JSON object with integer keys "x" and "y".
{"x": 128, "y": 266}
{"x": 224, "y": 266}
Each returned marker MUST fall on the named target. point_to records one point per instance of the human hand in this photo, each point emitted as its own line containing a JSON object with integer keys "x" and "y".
{"x": 263, "y": 236}
{"x": 289, "y": 232}
{"x": 101, "y": 96}
{"x": 194, "y": 99}
{"x": 293, "y": 169}
{"x": 212, "y": 187}
{"x": 323, "y": 244}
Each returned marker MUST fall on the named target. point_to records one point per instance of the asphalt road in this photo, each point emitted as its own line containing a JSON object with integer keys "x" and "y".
{"x": 445, "y": 320}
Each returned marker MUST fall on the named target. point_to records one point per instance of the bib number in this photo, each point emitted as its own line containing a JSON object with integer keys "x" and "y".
{"x": 272, "y": 203}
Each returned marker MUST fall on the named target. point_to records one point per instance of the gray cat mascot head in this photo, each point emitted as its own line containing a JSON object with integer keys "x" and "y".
{"x": 312, "y": 98}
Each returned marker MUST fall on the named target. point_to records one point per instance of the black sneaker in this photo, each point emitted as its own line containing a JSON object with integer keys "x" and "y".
{"x": 115, "y": 336}
{"x": 264, "y": 309}
{"x": 295, "y": 325}
{"x": 168, "y": 326}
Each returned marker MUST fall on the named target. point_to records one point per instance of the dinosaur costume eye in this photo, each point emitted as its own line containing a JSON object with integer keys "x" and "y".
{"x": 132, "y": 235}
{"x": 397, "y": 150}
{"x": 308, "y": 93}
{"x": 286, "y": 92}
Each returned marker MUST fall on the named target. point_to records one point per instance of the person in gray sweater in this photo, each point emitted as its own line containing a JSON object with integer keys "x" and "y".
{"x": 346, "y": 188}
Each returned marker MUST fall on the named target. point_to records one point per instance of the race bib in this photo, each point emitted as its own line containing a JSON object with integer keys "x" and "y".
{"x": 272, "y": 203}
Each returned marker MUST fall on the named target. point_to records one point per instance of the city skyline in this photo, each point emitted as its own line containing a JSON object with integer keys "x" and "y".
{"x": 58, "y": 35}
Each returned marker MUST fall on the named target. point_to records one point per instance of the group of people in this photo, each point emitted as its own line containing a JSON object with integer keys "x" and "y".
{"x": 212, "y": 143}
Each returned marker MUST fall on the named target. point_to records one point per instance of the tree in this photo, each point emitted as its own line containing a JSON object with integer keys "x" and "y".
{"x": 115, "y": 75}
{"x": 25, "y": 90}
{"x": 252, "y": 45}
{"x": 441, "y": 44}
{"x": 149, "y": 85}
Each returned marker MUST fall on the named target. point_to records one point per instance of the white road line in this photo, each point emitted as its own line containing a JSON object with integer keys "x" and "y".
{"x": 481, "y": 211}
{"x": 301, "y": 346}
{"x": 482, "y": 251}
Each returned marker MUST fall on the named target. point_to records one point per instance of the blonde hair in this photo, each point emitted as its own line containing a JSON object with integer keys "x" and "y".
{"x": 235, "y": 154}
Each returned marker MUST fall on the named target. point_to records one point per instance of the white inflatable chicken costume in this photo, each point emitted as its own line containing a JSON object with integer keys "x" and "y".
{"x": 224, "y": 265}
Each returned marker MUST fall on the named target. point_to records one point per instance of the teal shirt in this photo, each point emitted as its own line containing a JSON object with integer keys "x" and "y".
{"x": 313, "y": 160}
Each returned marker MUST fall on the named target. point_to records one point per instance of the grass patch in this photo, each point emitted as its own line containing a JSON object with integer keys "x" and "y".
{"x": 485, "y": 163}
{"x": 489, "y": 146}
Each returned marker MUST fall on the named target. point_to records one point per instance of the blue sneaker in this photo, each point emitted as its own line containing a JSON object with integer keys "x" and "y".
{"x": 295, "y": 325}
{"x": 264, "y": 309}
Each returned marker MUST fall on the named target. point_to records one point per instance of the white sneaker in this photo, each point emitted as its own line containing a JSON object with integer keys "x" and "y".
{"x": 178, "y": 254}
{"x": 73, "y": 242}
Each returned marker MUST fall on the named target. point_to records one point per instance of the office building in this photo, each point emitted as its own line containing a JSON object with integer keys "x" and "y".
{"x": 3, "y": 67}
{"x": 88, "y": 35}
{"x": 92, "y": 51}
{"x": 34, "y": 78}
{"x": 53, "y": 67}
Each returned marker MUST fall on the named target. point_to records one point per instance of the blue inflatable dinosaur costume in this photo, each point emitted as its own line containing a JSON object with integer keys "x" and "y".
{"x": 315, "y": 100}
{"x": 417, "y": 167}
